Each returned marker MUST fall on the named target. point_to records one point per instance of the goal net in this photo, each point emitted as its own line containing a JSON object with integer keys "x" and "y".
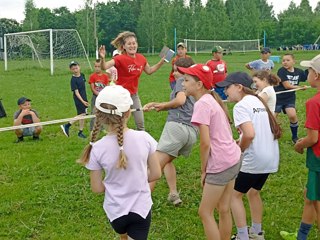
{"x": 205, "y": 46}
{"x": 50, "y": 49}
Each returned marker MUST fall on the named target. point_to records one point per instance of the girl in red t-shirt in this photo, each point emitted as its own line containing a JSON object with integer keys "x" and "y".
{"x": 130, "y": 65}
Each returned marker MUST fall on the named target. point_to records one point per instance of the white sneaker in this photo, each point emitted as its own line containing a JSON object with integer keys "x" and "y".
{"x": 174, "y": 199}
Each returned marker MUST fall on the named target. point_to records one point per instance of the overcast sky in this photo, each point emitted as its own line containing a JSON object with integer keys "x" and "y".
{"x": 15, "y": 8}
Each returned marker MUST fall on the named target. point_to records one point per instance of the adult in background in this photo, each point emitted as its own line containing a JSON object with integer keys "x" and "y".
{"x": 130, "y": 65}
{"x": 181, "y": 53}
{"x": 219, "y": 69}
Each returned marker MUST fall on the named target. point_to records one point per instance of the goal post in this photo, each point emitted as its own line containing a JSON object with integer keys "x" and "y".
{"x": 205, "y": 46}
{"x": 47, "y": 48}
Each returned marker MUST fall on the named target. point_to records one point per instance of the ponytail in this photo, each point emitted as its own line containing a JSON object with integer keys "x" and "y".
{"x": 222, "y": 105}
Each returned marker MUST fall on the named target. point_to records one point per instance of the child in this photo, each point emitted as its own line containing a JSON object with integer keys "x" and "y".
{"x": 113, "y": 72}
{"x": 264, "y": 82}
{"x": 219, "y": 153}
{"x": 259, "y": 132}
{"x": 98, "y": 80}
{"x": 130, "y": 65}
{"x": 218, "y": 68}
{"x": 290, "y": 77}
{"x": 178, "y": 135}
{"x": 26, "y": 115}
{"x": 312, "y": 143}
{"x": 262, "y": 64}
{"x": 78, "y": 88}
{"x": 128, "y": 164}
{"x": 181, "y": 53}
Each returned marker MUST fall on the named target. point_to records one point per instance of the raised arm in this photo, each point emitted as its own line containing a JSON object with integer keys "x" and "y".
{"x": 102, "y": 53}
{"x": 149, "y": 70}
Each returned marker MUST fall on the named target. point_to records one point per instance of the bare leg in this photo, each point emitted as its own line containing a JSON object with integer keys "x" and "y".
{"x": 210, "y": 198}
{"x": 124, "y": 237}
{"x": 256, "y": 205}
{"x": 18, "y": 132}
{"x": 238, "y": 210}
{"x": 163, "y": 159}
{"x": 171, "y": 177}
{"x": 225, "y": 219}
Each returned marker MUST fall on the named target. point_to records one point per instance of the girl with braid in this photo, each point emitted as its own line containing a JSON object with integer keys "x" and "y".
{"x": 127, "y": 159}
{"x": 259, "y": 133}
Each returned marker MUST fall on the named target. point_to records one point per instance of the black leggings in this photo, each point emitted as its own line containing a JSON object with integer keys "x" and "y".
{"x": 133, "y": 224}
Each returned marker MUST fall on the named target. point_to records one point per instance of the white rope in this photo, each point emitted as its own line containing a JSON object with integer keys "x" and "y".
{"x": 53, "y": 122}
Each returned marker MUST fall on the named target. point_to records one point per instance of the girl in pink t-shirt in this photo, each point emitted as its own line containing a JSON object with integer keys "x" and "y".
{"x": 126, "y": 158}
{"x": 219, "y": 153}
{"x": 130, "y": 65}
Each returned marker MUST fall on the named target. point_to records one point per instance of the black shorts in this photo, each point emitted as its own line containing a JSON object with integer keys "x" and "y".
{"x": 245, "y": 181}
{"x": 81, "y": 108}
{"x": 133, "y": 224}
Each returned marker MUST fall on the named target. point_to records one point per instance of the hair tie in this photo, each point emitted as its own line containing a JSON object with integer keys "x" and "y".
{"x": 91, "y": 143}
{"x": 121, "y": 148}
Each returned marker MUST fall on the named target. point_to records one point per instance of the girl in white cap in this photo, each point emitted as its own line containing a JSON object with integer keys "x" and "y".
{"x": 259, "y": 132}
{"x": 219, "y": 153}
{"x": 125, "y": 158}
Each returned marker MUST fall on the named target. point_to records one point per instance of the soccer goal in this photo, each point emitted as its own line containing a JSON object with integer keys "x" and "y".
{"x": 205, "y": 46}
{"x": 48, "y": 48}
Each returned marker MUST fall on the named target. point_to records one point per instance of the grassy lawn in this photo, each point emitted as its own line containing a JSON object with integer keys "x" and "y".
{"x": 46, "y": 195}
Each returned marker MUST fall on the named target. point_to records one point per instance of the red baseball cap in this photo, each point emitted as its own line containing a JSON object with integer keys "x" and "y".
{"x": 201, "y": 71}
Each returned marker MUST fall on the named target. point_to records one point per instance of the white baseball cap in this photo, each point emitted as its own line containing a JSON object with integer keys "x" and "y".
{"x": 114, "y": 95}
{"x": 314, "y": 63}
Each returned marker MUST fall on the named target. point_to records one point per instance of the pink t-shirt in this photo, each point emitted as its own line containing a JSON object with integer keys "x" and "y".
{"x": 126, "y": 190}
{"x": 224, "y": 151}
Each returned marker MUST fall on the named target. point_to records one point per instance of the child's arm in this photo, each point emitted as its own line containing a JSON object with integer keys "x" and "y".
{"x": 178, "y": 101}
{"x": 35, "y": 118}
{"x": 76, "y": 92}
{"x": 94, "y": 91}
{"x": 308, "y": 141}
{"x": 149, "y": 70}
{"x": 97, "y": 185}
{"x": 248, "y": 135}
{"x": 154, "y": 168}
{"x": 204, "y": 150}
{"x": 248, "y": 66}
{"x": 287, "y": 85}
{"x": 264, "y": 96}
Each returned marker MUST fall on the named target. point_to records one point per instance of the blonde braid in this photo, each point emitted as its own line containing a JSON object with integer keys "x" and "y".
{"x": 94, "y": 135}
{"x": 122, "y": 163}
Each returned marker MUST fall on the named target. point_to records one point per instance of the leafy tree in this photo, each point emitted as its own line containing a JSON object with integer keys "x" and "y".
{"x": 31, "y": 16}
{"x": 46, "y": 18}
{"x": 9, "y": 26}
{"x": 215, "y": 22}
{"x": 64, "y": 19}
{"x": 244, "y": 17}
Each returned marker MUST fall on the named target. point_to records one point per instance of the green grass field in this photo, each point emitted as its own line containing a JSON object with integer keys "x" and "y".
{"x": 46, "y": 195}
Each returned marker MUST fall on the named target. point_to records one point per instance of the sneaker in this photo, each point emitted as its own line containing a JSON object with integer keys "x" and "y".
{"x": 81, "y": 135}
{"x": 19, "y": 139}
{"x": 36, "y": 138}
{"x": 259, "y": 236}
{"x": 234, "y": 237}
{"x": 295, "y": 140}
{"x": 65, "y": 129}
{"x": 288, "y": 236}
{"x": 174, "y": 199}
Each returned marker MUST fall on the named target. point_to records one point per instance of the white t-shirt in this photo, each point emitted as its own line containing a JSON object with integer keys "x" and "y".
{"x": 272, "y": 99}
{"x": 262, "y": 156}
{"x": 126, "y": 190}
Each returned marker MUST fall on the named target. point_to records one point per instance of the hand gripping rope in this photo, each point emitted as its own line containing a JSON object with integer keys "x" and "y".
{"x": 53, "y": 122}
{"x": 93, "y": 116}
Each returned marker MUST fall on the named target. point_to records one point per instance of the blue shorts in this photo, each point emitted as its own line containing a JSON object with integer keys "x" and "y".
{"x": 283, "y": 107}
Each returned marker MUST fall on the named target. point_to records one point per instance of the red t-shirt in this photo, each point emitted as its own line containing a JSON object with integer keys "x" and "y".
{"x": 171, "y": 77}
{"x": 129, "y": 70}
{"x": 219, "y": 70}
{"x": 99, "y": 80}
{"x": 313, "y": 119}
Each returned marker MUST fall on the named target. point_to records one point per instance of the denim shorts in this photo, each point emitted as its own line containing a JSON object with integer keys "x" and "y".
{"x": 283, "y": 107}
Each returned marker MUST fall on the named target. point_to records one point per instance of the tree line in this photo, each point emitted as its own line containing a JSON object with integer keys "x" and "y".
{"x": 154, "y": 22}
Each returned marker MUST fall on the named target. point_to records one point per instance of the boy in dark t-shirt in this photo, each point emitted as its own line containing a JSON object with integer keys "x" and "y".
{"x": 26, "y": 115}
{"x": 78, "y": 88}
{"x": 290, "y": 79}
